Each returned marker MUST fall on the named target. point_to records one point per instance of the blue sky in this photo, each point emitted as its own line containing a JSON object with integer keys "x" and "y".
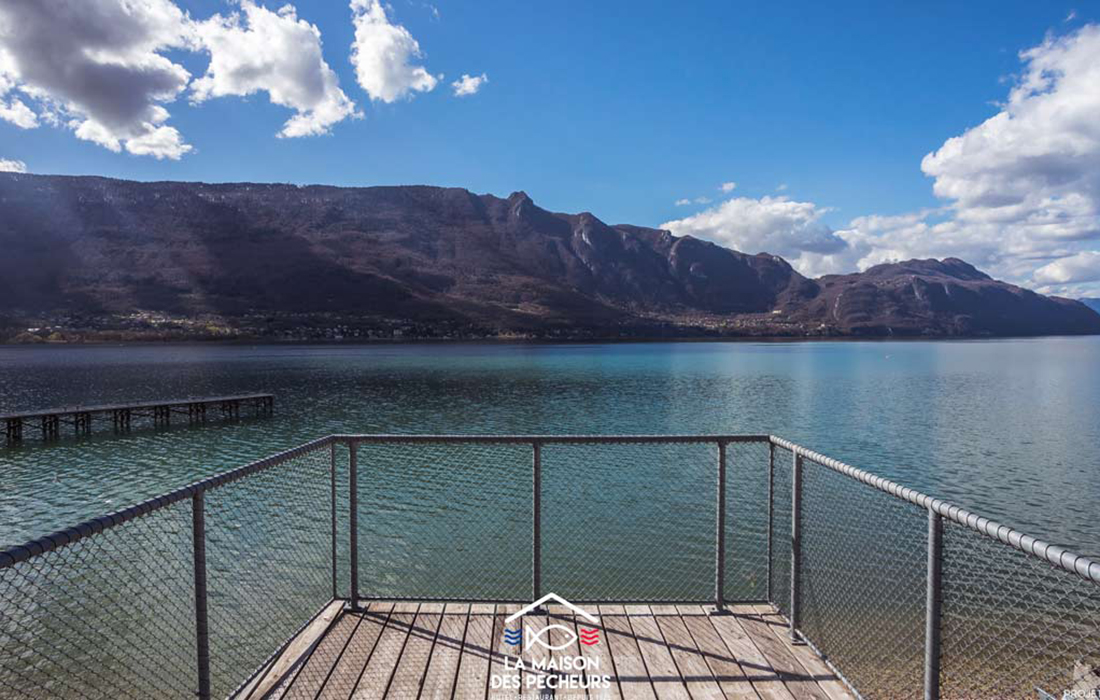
{"x": 623, "y": 109}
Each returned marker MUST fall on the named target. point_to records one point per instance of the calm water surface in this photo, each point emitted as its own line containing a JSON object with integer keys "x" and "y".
{"x": 1010, "y": 428}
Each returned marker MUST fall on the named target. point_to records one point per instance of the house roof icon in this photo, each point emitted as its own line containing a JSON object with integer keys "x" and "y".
{"x": 557, "y": 599}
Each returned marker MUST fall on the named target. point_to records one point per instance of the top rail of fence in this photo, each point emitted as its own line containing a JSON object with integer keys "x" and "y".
{"x": 547, "y": 439}
{"x": 1055, "y": 554}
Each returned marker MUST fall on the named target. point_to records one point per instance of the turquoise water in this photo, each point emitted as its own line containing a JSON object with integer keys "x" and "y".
{"x": 1009, "y": 428}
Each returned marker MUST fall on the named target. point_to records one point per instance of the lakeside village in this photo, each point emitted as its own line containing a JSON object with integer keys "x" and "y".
{"x": 22, "y": 328}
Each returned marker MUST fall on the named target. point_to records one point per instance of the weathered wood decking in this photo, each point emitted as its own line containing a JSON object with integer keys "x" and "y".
{"x": 49, "y": 421}
{"x": 406, "y": 650}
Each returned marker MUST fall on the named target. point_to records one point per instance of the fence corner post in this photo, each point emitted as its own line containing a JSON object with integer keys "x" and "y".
{"x": 933, "y": 602}
{"x": 796, "y": 549}
{"x": 536, "y": 518}
{"x": 353, "y": 520}
{"x": 332, "y": 486}
{"x": 720, "y": 534}
{"x": 202, "y": 630}
{"x": 771, "y": 515}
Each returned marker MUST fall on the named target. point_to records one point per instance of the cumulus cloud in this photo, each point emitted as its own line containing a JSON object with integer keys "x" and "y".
{"x": 102, "y": 69}
{"x": 96, "y": 67}
{"x": 1021, "y": 190}
{"x": 277, "y": 53}
{"x": 1033, "y": 169}
{"x": 12, "y": 166}
{"x": 469, "y": 85}
{"x": 1024, "y": 186}
{"x": 382, "y": 55}
{"x": 773, "y": 224}
{"x": 1072, "y": 269}
{"x": 728, "y": 186}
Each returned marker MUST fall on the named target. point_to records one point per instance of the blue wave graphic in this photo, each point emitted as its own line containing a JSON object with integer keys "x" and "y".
{"x": 513, "y": 637}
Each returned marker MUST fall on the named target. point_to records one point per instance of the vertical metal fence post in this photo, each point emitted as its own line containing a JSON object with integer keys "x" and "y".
{"x": 536, "y": 534}
{"x": 720, "y": 534}
{"x": 771, "y": 513}
{"x": 796, "y": 548}
{"x": 353, "y": 521}
{"x": 202, "y": 631}
{"x": 933, "y": 598}
{"x": 332, "y": 483}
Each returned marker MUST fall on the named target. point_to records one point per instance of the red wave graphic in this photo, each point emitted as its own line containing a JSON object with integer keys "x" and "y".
{"x": 589, "y": 637}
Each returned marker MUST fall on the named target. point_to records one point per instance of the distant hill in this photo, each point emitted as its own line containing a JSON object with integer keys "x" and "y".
{"x": 1093, "y": 304}
{"x": 86, "y": 257}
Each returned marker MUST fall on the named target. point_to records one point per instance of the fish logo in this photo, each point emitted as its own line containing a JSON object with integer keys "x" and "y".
{"x": 513, "y": 637}
{"x": 589, "y": 637}
{"x": 540, "y": 637}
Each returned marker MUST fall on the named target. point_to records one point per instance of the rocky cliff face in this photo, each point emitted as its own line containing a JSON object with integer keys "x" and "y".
{"x": 94, "y": 247}
{"x": 948, "y": 297}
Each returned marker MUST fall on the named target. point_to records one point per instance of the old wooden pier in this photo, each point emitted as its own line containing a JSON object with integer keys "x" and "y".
{"x": 48, "y": 422}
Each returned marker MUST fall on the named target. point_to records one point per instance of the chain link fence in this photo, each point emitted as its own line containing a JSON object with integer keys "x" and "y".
{"x": 629, "y": 521}
{"x": 108, "y": 609}
{"x": 863, "y": 582}
{"x": 268, "y": 562}
{"x": 108, "y": 616}
{"x": 1007, "y": 616}
{"x": 1015, "y": 625}
{"x": 444, "y": 520}
{"x": 905, "y": 596}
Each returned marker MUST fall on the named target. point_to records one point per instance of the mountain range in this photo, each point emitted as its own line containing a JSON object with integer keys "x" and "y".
{"x": 87, "y": 257}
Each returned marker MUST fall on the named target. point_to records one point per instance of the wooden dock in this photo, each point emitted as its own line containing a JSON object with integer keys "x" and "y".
{"x": 419, "y": 651}
{"x": 47, "y": 423}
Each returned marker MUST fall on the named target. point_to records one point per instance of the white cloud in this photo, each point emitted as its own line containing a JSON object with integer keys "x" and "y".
{"x": 469, "y": 85}
{"x": 95, "y": 66}
{"x": 781, "y": 187}
{"x": 381, "y": 55}
{"x": 1022, "y": 189}
{"x": 683, "y": 202}
{"x": 728, "y": 186}
{"x": 278, "y": 53}
{"x": 701, "y": 200}
{"x": 12, "y": 166}
{"x": 1072, "y": 269}
{"x": 1071, "y": 16}
{"x": 773, "y": 224}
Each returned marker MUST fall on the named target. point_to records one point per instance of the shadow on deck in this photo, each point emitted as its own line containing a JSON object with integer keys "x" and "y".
{"x": 408, "y": 650}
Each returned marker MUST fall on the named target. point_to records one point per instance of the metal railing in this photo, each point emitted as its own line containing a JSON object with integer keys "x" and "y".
{"x": 903, "y": 595}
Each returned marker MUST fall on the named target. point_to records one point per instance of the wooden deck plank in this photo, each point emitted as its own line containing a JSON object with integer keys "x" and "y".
{"x": 448, "y": 651}
{"x": 439, "y": 680}
{"x": 472, "y": 680}
{"x": 376, "y": 675}
{"x": 764, "y": 679}
{"x": 345, "y": 674}
{"x": 294, "y": 656}
{"x": 658, "y": 659}
{"x": 826, "y": 679}
{"x": 725, "y": 667}
{"x": 408, "y": 677}
{"x": 505, "y": 651}
{"x": 307, "y": 683}
{"x": 600, "y": 657}
{"x": 689, "y": 660}
{"x": 630, "y": 668}
{"x": 779, "y": 656}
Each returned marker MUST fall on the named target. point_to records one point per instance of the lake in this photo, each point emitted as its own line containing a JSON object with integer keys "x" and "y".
{"x": 1009, "y": 428}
